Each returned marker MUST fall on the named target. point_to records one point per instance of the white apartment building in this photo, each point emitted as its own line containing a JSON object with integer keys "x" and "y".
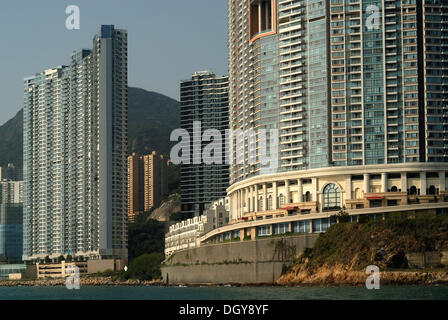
{"x": 75, "y": 154}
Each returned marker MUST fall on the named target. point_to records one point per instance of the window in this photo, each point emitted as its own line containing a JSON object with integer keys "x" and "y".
{"x": 301, "y": 226}
{"x": 281, "y": 228}
{"x": 282, "y": 200}
{"x": 394, "y": 189}
{"x": 413, "y": 191}
{"x": 260, "y": 204}
{"x": 307, "y": 197}
{"x": 432, "y": 190}
{"x": 321, "y": 225}
{"x": 332, "y": 197}
{"x": 263, "y": 231}
{"x": 376, "y": 203}
{"x": 270, "y": 202}
{"x": 262, "y": 19}
{"x": 392, "y": 203}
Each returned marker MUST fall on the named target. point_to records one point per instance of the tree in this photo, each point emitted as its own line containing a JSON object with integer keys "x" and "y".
{"x": 61, "y": 258}
{"x": 47, "y": 259}
{"x": 69, "y": 258}
{"x": 173, "y": 177}
{"x": 146, "y": 266}
{"x": 342, "y": 216}
{"x": 147, "y": 237}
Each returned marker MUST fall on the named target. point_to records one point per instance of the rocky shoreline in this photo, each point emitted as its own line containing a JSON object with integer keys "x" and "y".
{"x": 84, "y": 281}
{"x": 320, "y": 277}
{"x": 340, "y": 276}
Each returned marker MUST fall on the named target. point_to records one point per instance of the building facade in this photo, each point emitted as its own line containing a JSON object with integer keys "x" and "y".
{"x": 148, "y": 182}
{"x": 75, "y": 154}
{"x": 356, "y": 91}
{"x": 11, "y": 220}
{"x": 135, "y": 186}
{"x": 11, "y": 172}
{"x": 186, "y": 234}
{"x": 204, "y": 101}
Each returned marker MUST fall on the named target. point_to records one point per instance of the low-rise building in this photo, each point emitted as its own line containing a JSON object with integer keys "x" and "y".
{"x": 185, "y": 234}
{"x": 218, "y": 214}
{"x": 12, "y": 271}
{"x": 59, "y": 270}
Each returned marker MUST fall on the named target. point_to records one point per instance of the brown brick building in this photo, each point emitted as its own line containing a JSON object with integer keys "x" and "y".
{"x": 147, "y": 182}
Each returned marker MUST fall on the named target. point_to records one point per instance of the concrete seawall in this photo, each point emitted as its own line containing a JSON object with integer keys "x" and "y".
{"x": 243, "y": 262}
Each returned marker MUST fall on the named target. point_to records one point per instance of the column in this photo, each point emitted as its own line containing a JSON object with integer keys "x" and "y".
{"x": 274, "y": 196}
{"x": 250, "y": 201}
{"x": 423, "y": 183}
{"x": 256, "y": 199}
{"x": 404, "y": 182}
{"x": 384, "y": 182}
{"x": 288, "y": 195}
{"x": 321, "y": 202}
{"x": 314, "y": 189}
{"x": 231, "y": 206}
{"x": 235, "y": 200}
{"x": 247, "y": 197}
{"x": 348, "y": 187}
{"x": 442, "y": 178}
{"x": 366, "y": 183}
{"x": 259, "y": 16}
{"x": 267, "y": 16}
{"x": 300, "y": 189}
{"x": 240, "y": 203}
{"x": 265, "y": 197}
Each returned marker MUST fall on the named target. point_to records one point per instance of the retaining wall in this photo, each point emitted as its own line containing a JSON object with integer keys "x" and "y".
{"x": 243, "y": 262}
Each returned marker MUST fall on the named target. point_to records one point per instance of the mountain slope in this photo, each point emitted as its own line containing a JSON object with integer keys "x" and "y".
{"x": 11, "y": 141}
{"x": 152, "y": 117}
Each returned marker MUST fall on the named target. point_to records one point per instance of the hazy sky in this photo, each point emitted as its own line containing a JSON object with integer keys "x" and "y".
{"x": 167, "y": 40}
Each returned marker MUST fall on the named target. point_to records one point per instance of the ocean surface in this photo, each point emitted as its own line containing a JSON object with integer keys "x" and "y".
{"x": 224, "y": 293}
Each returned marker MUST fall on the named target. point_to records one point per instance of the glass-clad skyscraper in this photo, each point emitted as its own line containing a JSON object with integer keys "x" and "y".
{"x": 357, "y": 92}
{"x": 75, "y": 154}
{"x": 204, "y": 101}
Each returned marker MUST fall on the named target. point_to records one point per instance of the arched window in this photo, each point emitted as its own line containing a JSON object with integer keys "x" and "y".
{"x": 394, "y": 189}
{"x": 357, "y": 194}
{"x": 432, "y": 190}
{"x": 332, "y": 197}
{"x": 281, "y": 200}
{"x": 307, "y": 196}
{"x": 413, "y": 191}
{"x": 270, "y": 202}
{"x": 260, "y": 204}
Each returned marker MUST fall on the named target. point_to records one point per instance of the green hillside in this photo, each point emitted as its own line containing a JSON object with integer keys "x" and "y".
{"x": 384, "y": 243}
{"x": 152, "y": 117}
{"x": 11, "y": 141}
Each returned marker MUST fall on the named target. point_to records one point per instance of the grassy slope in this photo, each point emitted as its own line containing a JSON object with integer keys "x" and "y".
{"x": 383, "y": 243}
{"x": 11, "y": 141}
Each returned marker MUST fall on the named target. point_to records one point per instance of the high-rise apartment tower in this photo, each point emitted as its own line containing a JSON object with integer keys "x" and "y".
{"x": 75, "y": 154}
{"x": 148, "y": 182}
{"x": 357, "y": 93}
{"x": 204, "y": 101}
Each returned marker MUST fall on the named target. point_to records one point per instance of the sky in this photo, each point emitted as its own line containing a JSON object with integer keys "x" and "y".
{"x": 168, "y": 40}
